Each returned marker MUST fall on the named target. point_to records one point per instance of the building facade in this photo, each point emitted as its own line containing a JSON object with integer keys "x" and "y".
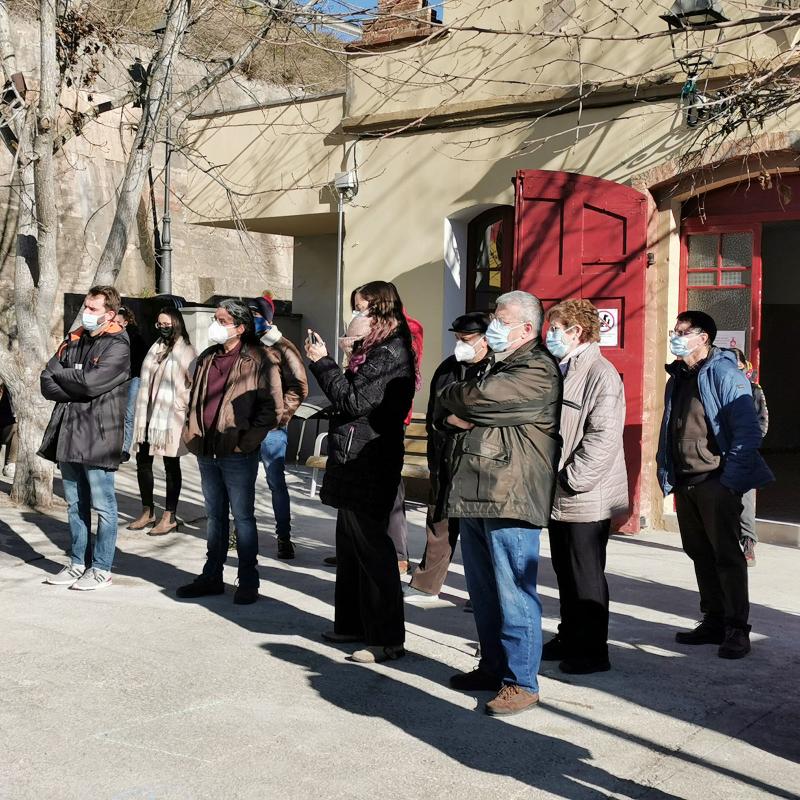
{"x": 499, "y": 149}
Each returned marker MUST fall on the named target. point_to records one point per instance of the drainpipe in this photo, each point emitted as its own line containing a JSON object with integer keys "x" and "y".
{"x": 339, "y": 258}
{"x": 346, "y": 185}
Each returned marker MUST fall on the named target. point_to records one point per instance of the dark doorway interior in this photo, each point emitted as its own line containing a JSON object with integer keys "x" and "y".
{"x": 780, "y": 368}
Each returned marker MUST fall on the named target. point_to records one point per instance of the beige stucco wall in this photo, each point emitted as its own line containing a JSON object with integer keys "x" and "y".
{"x": 517, "y": 58}
{"x": 277, "y": 161}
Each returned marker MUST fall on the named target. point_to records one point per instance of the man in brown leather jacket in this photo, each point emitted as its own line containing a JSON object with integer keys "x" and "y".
{"x": 235, "y": 400}
{"x": 294, "y": 385}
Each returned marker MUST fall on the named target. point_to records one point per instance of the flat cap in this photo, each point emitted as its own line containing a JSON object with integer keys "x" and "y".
{"x": 473, "y": 322}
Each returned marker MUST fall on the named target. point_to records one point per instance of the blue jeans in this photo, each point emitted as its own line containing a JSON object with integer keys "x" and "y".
{"x": 501, "y": 562}
{"x": 88, "y": 489}
{"x": 273, "y": 457}
{"x": 229, "y": 483}
{"x": 130, "y": 413}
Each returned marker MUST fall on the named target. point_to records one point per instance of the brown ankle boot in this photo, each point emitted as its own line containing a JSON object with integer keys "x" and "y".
{"x": 144, "y": 520}
{"x": 166, "y": 524}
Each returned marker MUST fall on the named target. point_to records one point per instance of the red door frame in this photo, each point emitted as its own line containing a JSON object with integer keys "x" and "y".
{"x": 720, "y": 225}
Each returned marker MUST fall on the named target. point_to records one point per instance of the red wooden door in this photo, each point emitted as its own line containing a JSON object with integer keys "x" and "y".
{"x": 585, "y": 237}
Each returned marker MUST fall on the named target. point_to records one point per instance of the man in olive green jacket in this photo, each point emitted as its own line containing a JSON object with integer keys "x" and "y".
{"x": 505, "y": 461}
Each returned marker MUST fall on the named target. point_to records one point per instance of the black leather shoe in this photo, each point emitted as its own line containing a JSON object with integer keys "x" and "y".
{"x": 584, "y": 665}
{"x": 554, "y": 650}
{"x": 736, "y": 644}
{"x": 475, "y": 681}
{"x": 705, "y": 633}
{"x": 285, "y": 549}
{"x": 245, "y": 595}
{"x": 201, "y": 587}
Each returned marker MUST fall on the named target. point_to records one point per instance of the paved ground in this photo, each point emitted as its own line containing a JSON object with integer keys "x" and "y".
{"x": 129, "y": 693}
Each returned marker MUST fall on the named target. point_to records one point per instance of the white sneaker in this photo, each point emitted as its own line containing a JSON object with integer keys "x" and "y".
{"x": 92, "y": 579}
{"x": 9, "y": 471}
{"x": 414, "y": 597}
{"x": 67, "y": 576}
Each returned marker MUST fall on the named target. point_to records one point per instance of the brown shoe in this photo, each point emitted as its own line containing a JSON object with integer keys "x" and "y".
{"x": 144, "y": 520}
{"x": 165, "y": 525}
{"x": 511, "y": 699}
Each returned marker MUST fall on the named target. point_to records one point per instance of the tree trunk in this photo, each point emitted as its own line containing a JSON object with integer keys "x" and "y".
{"x": 33, "y": 481}
{"x": 153, "y": 107}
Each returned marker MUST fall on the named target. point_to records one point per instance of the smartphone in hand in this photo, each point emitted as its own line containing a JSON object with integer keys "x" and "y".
{"x": 312, "y": 338}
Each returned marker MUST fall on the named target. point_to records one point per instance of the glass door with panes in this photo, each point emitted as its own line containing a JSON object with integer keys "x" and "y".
{"x": 721, "y": 275}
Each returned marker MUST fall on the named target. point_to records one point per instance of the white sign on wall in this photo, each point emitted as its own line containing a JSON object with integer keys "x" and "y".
{"x": 730, "y": 339}
{"x": 609, "y": 327}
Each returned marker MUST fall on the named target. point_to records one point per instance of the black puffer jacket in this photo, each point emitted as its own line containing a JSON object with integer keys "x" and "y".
{"x": 87, "y": 377}
{"x": 365, "y": 439}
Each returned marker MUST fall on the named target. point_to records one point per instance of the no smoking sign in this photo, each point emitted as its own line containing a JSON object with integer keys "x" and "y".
{"x": 609, "y": 327}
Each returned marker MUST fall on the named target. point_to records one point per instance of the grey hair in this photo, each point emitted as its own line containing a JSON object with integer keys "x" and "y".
{"x": 242, "y": 315}
{"x": 530, "y": 307}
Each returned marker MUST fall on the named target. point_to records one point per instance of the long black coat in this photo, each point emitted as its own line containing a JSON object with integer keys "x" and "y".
{"x": 365, "y": 438}
{"x": 87, "y": 378}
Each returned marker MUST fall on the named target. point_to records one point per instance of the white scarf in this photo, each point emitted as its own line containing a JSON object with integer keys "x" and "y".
{"x": 169, "y": 397}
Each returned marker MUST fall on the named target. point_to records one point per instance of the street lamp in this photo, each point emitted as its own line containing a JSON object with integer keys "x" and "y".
{"x": 691, "y": 24}
{"x": 165, "y": 248}
{"x": 165, "y": 282}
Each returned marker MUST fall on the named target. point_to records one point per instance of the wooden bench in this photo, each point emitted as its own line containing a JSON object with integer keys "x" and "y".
{"x": 415, "y": 462}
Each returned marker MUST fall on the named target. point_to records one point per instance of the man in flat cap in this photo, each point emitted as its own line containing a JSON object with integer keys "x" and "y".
{"x": 469, "y": 358}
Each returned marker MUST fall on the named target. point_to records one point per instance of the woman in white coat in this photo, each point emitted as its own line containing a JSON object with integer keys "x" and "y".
{"x": 160, "y": 416}
{"x": 592, "y": 486}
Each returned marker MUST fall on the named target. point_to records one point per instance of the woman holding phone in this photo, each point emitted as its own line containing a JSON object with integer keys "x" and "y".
{"x": 370, "y": 401}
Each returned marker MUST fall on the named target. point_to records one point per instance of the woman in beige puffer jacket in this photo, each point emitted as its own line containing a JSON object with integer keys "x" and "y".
{"x": 592, "y": 486}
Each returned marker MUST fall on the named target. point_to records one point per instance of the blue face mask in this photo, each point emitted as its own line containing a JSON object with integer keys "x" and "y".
{"x": 91, "y": 322}
{"x": 497, "y": 335}
{"x": 261, "y": 325}
{"x": 679, "y": 345}
{"x": 556, "y": 342}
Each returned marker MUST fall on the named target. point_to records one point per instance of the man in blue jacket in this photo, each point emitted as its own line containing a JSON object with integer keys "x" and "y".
{"x": 708, "y": 456}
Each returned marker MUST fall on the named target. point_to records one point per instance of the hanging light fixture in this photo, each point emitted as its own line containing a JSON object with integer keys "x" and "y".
{"x": 691, "y": 32}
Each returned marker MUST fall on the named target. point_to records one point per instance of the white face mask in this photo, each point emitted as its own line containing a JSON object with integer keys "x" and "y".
{"x": 91, "y": 322}
{"x": 218, "y": 333}
{"x": 272, "y": 336}
{"x": 464, "y": 351}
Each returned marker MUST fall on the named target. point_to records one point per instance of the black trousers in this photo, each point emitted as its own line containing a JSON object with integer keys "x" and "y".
{"x": 709, "y": 518}
{"x": 144, "y": 474}
{"x": 578, "y": 551}
{"x": 369, "y": 598}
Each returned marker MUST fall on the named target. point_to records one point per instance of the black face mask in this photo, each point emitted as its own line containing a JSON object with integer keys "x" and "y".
{"x": 166, "y": 333}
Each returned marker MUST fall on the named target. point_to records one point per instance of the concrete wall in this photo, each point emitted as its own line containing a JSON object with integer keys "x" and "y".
{"x": 206, "y": 261}
{"x": 314, "y": 290}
